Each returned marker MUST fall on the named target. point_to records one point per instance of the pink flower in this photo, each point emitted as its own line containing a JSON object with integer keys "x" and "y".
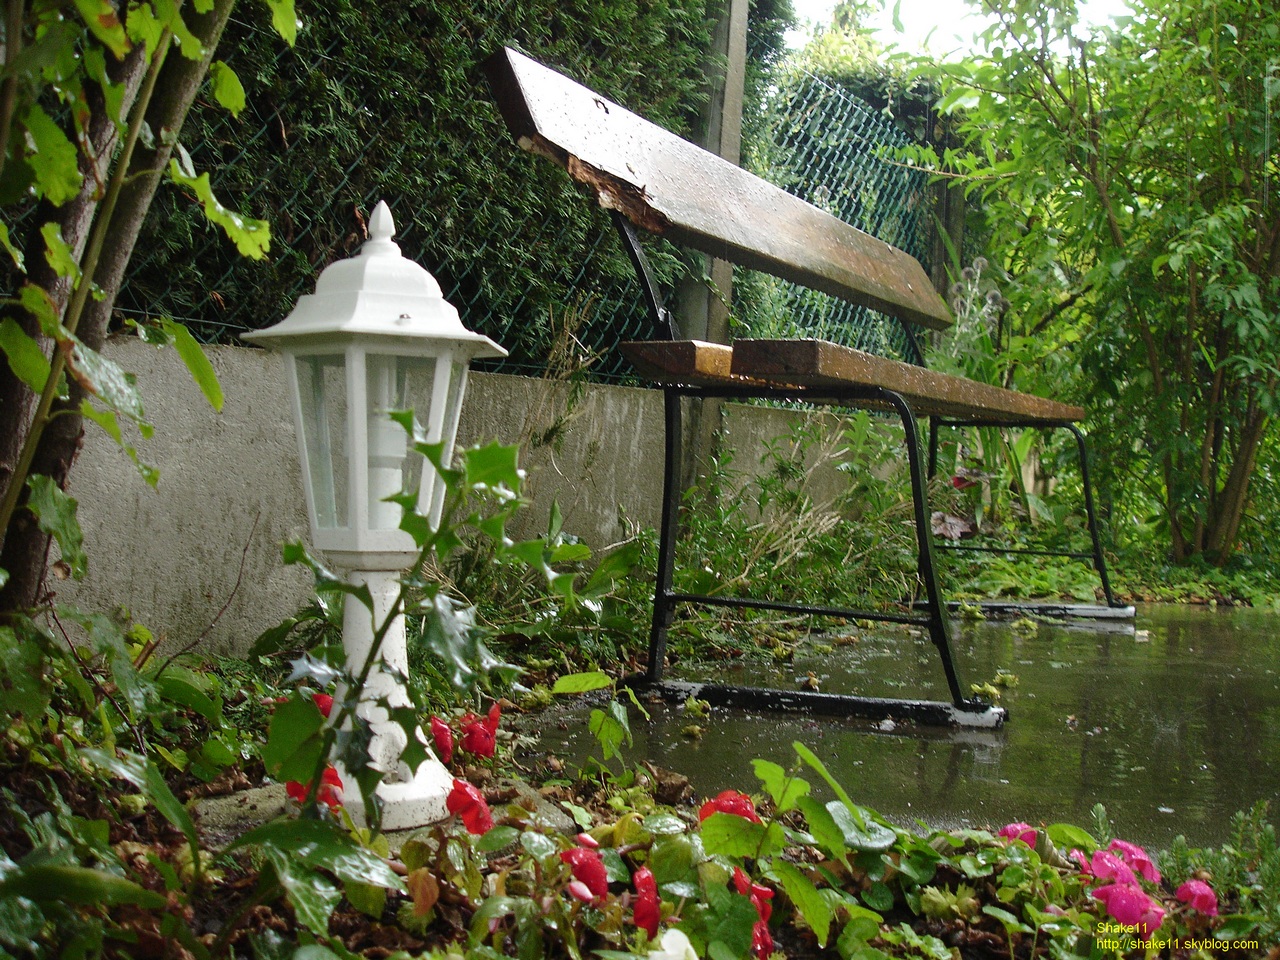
{"x": 1199, "y": 896}
{"x": 1020, "y": 831}
{"x": 580, "y": 891}
{"x": 1105, "y": 866}
{"x": 330, "y": 792}
{"x": 1129, "y": 905}
{"x": 442, "y": 734}
{"x": 588, "y": 868}
{"x": 469, "y": 803}
{"x": 648, "y": 910}
{"x": 479, "y": 736}
{"x": 1137, "y": 858}
{"x": 729, "y": 801}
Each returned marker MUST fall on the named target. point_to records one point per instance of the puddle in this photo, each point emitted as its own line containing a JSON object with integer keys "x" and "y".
{"x": 1172, "y": 723}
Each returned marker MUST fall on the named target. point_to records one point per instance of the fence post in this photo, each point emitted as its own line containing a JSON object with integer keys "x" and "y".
{"x": 703, "y": 311}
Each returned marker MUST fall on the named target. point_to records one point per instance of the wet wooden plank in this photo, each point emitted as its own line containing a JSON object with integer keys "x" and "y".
{"x": 669, "y": 186}
{"x": 680, "y": 361}
{"x": 819, "y": 363}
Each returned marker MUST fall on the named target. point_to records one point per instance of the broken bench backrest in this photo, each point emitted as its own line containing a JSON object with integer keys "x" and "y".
{"x": 674, "y": 188}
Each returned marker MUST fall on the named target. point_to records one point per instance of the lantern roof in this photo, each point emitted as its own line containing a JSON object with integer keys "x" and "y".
{"x": 376, "y": 293}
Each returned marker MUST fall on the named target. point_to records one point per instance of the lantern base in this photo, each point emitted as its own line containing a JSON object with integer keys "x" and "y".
{"x": 408, "y": 804}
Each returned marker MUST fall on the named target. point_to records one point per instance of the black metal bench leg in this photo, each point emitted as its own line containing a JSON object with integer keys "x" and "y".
{"x": 663, "y": 601}
{"x": 1099, "y": 559}
{"x": 939, "y": 626}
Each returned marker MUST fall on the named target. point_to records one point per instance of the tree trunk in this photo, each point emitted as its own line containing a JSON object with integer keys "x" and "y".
{"x": 25, "y": 548}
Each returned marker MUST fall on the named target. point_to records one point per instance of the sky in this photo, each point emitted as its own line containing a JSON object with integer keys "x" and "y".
{"x": 951, "y": 23}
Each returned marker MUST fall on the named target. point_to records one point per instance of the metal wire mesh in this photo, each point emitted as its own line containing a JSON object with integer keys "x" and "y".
{"x": 835, "y": 151}
{"x": 493, "y": 224}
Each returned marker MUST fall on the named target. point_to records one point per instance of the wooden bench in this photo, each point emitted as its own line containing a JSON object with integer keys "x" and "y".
{"x": 658, "y": 182}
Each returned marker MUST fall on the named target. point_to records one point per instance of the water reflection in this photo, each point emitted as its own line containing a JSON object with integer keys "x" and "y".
{"x": 1172, "y": 726}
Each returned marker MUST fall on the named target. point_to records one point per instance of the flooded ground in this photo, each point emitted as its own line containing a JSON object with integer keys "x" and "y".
{"x": 1172, "y": 723}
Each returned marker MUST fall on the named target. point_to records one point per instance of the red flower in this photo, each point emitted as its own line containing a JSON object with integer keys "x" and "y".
{"x": 466, "y": 801}
{"x": 330, "y": 791}
{"x": 762, "y": 940}
{"x": 442, "y": 733}
{"x": 730, "y": 801}
{"x": 588, "y": 868}
{"x": 760, "y": 895}
{"x": 648, "y": 910}
{"x": 479, "y": 736}
{"x": 324, "y": 703}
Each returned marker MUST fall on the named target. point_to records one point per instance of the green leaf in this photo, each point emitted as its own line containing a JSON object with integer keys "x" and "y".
{"x": 55, "y": 161}
{"x": 811, "y": 904}
{"x": 729, "y": 835}
{"x": 809, "y": 757}
{"x": 1065, "y": 836}
{"x": 784, "y": 788}
{"x": 14, "y": 253}
{"x": 493, "y": 467}
{"x": 284, "y": 19}
{"x": 59, "y": 255}
{"x": 610, "y": 732}
{"x": 496, "y": 838}
{"x": 49, "y": 882}
{"x": 864, "y": 835}
{"x": 251, "y": 237}
{"x": 37, "y": 303}
{"x": 617, "y": 565}
{"x": 311, "y": 894}
{"x": 581, "y": 682}
{"x": 227, "y": 88}
{"x": 101, "y": 19}
{"x": 198, "y": 364}
{"x": 322, "y": 845}
{"x": 824, "y": 828}
{"x": 170, "y": 13}
{"x": 366, "y": 898}
{"x": 106, "y": 380}
{"x": 56, "y": 514}
{"x": 183, "y": 688}
{"x": 293, "y": 745}
{"x": 24, "y": 355}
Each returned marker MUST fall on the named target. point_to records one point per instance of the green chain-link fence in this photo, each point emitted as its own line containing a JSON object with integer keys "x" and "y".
{"x": 835, "y": 151}
{"x": 366, "y": 109}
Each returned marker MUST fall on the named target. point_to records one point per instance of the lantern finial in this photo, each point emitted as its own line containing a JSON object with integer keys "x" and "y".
{"x": 381, "y": 229}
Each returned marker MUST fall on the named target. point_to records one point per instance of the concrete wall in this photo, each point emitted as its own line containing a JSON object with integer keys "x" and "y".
{"x": 230, "y": 486}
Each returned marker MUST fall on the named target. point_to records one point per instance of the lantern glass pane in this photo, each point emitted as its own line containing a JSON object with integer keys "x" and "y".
{"x": 394, "y": 383}
{"x": 445, "y": 429}
{"x": 323, "y": 394}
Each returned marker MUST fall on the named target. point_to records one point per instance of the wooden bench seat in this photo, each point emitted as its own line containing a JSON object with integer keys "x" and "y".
{"x": 808, "y": 366}
{"x": 654, "y": 181}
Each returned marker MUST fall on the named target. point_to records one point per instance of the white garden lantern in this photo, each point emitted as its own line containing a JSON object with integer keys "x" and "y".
{"x": 376, "y": 336}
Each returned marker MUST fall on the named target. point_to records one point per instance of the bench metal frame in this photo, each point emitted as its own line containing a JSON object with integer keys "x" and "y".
{"x": 934, "y": 619}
